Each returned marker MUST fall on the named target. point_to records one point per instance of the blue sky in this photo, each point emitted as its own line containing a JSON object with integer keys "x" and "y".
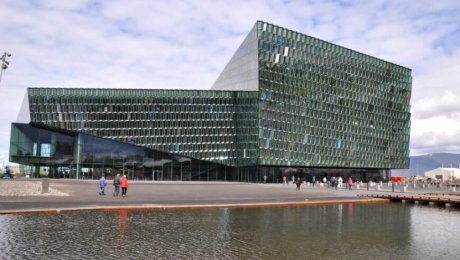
{"x": 185, "y": 45}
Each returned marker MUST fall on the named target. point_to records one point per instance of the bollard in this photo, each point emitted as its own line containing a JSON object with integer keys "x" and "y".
{"x": 377, "y": 187}
{"x": 403, "y": 188}
{"x": 45, "y": 185}
{"x": 357, "y": 186}
{"x": 392, "y": 187}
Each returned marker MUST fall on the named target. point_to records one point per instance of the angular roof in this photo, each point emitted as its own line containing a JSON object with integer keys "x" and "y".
{"x": 242, "y": 71}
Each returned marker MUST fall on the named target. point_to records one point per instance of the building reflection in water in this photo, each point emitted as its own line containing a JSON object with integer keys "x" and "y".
{"x": 354, "y": 231}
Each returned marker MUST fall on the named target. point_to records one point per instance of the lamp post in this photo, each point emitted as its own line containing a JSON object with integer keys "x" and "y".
{"x": 4, "y": 64}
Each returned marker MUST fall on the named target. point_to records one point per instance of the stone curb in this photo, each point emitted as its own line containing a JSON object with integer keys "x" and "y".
{"x": 198, "y": 206}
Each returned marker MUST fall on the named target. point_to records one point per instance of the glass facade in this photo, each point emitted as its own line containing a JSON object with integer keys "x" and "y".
{"x": 68, "y": 154}
{"x": 195, "y": 123}
{"x": 323, "y": 105}
{"x": 284, "y": 101}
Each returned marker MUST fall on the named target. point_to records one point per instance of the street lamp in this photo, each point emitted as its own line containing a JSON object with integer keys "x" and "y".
{"x": 4, "y": 64}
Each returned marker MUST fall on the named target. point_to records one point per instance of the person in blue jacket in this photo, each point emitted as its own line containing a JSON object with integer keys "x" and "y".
{"x": 102, "y": 185}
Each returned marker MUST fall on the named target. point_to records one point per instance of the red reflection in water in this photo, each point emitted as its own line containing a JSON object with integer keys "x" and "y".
{"x": 122, "y": 225}
{"x": 350, "y": 209}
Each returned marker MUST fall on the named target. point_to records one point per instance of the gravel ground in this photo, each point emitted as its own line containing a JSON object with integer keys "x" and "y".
{"x": 25, "y": 188}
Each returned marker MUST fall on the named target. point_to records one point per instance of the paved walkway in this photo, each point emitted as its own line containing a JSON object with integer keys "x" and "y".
{"x": 69, "y": 195}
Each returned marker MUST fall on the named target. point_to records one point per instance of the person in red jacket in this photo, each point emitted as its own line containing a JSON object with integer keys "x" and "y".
{"x": 124, "y": 185}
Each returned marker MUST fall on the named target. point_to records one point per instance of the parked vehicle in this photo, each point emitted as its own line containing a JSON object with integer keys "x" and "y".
{"x": 395, "y": 179}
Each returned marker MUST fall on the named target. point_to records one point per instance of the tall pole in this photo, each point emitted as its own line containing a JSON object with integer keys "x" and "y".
{"x": 79, "y": 146}
{"x": 1, "y": 73}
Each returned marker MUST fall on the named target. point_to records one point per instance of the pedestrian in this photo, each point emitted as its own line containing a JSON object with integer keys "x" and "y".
{"x": 7, "y": 174}
{"x": 102, "y": 184}
{"x": 297, "y": 183}
{"x": 313, "y": 180}
{"x": 284, "y": 180}
{"x": 116, "y": 185}
{"x": 350, "y": 183}
{"x": 124, "y": 185}
{"x": 340, "y": 181}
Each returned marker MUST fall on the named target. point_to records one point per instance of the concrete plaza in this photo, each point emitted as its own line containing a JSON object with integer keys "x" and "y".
{"x": 70, "y": 195}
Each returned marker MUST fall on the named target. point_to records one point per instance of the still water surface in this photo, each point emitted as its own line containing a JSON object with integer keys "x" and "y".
{"x": 379, "y": 231}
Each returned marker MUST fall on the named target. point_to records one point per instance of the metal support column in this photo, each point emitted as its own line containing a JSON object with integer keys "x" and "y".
{"x": 78, "y": 156}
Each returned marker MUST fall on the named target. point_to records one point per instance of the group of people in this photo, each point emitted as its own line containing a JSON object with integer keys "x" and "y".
{"x": 335, "y": 182}
{"x": 117, "y": 183}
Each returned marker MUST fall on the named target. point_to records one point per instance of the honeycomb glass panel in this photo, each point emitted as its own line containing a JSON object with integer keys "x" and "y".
{"x": 330, "y": 87}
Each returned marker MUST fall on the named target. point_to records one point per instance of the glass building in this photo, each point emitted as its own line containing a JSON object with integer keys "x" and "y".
{"x": 286, "y": 104}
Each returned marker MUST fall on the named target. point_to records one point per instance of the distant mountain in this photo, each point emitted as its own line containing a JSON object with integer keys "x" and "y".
{"x": 423, "y": 163}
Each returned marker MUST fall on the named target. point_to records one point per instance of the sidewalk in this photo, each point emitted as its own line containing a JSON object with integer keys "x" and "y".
{"x": 71, "y": 195}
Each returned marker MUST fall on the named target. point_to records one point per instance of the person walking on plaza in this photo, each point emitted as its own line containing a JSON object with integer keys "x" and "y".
{"x": 340, "y": 181}
{"x": 333, "y": 181}
{"x": 297, "y": 183}
{"x": 124, "y": 185}
{"x": 350, "y": 183}
{"x": 102, "y": 184}
{"x": 116, "y": 185}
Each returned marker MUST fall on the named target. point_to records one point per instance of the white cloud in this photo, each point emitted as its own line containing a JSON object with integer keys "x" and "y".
{"x": 185, "y": 44}
{"x": 436, "y": 134}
